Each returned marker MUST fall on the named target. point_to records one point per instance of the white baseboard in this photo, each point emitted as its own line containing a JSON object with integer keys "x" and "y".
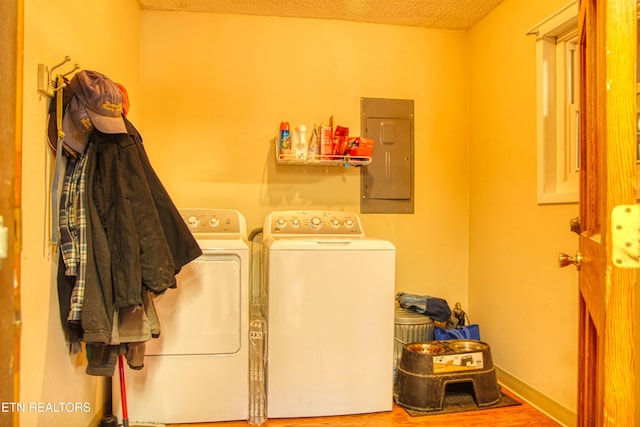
{"x": 551, "y": 408}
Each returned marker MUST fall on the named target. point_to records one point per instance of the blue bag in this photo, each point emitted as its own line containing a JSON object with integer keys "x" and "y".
{"x": 469, "y": 332}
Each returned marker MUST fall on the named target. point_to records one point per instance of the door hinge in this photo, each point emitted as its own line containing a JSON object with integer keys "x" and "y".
{"x": 625, "y": 236}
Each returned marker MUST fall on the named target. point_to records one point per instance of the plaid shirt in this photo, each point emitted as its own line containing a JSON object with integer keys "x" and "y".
{"x": 73, "y": 231}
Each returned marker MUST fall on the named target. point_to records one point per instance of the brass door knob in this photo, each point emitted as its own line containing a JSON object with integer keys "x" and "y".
{"x": 564, "y": 260}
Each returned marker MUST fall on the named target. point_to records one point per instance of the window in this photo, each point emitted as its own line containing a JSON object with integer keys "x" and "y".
{"x": 558, "y": 84}
{"x": 557, "y": 77}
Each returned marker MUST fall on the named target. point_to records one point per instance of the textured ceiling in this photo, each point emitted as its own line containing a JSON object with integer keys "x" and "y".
{"x": 446, "y": 14}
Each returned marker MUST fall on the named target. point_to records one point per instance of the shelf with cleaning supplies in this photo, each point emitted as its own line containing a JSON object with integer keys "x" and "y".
{"x": 47, "y": 81}
{"x": 319, "y": 160}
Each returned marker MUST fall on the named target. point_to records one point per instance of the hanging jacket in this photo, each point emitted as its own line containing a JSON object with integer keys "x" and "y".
{"x": 139, "y": 240}
{"x": 148, "y": 242}
{"x": 183, "y": 246}
{"x": 98, "y": 309}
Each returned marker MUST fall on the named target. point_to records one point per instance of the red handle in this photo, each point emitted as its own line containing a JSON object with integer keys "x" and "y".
{"x": 123, "y": 390}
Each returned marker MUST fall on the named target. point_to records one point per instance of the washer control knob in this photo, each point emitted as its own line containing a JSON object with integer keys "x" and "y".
{"x": 348, "y": 223}
{"x": 193, "y": 222}
{"x": 335, "y": 223}
{"x": 315, "y": 222}
{"x": 280, "y": 222}
{"x": 295, "y": 222}
{"x": 214, "y": 221}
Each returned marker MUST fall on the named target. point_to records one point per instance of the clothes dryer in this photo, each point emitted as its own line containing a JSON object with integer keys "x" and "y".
{"x": 197, "y": 370}
{"x": 330, "y": 317}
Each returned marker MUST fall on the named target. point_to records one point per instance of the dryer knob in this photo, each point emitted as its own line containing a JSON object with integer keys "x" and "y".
{"x": 214, "y": 221}
{"x": 193, "y": 222}
{"x": 315, "y": 222}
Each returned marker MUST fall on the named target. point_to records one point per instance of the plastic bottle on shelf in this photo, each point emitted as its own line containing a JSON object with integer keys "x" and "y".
{"x": 285, "y": 140}
{"x": 301, "y": 147}
{"x": 326, "y": 142}
{"x": 314, "y": 149}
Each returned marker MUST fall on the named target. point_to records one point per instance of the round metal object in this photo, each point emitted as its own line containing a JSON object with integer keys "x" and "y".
{"x": 464, "y": 346}
{"x": 426, "y": 347}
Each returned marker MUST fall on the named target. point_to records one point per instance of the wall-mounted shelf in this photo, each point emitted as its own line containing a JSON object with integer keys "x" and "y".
{"x": 334, "y": 161}
{"x": 325, "y": 160}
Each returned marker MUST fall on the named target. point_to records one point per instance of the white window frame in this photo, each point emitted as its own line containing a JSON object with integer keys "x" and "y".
{"x": 557, "y": 107}
{"x": 557, "y": 102}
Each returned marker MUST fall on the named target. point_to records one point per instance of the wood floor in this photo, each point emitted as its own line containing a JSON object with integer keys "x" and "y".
{"x": 511, "y": 416}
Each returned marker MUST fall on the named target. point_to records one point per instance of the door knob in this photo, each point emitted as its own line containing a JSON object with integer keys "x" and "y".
{"x": 564, "y": 260}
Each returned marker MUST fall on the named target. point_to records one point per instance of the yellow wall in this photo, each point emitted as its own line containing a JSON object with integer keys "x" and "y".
{"x": 526, "y": 305}
{"x": 102, "y": 35}
{"x": 208, "y": 92}
{"x": 215, "y": 88}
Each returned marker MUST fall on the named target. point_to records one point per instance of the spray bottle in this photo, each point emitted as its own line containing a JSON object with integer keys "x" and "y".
{"x": 284, "y": 141}
{"x": 301, "y": 146}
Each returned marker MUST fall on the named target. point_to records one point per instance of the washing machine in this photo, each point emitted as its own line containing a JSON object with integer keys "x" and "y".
{"x": 330, "y": 315}
{"x": 197, "y": 370}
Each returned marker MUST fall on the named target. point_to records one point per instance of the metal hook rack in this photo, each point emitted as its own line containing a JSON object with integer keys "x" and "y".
{"x": 47, "y": 81}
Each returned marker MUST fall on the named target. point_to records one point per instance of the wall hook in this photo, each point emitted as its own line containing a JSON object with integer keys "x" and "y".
{"x": 66, "y": 59}
{"x": 75, "y": 67}
{"x": 47, "y": 81}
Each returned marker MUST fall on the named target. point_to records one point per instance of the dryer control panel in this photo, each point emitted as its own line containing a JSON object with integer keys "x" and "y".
{"x": 223, "y": 222}
{"x": 305, "y": 223}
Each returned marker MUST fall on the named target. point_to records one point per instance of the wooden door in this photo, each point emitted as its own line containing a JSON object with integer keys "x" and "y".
{"x": 607, "y": 31}
{"x": 10, "y": 147}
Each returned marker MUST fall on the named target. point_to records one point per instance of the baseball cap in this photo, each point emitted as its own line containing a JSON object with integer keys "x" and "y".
{"x": 77, "y": 126}
{"x": 102, "y": 99}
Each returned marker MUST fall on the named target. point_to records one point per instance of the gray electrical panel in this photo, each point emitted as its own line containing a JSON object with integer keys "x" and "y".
{"x": 387, "y": 182}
